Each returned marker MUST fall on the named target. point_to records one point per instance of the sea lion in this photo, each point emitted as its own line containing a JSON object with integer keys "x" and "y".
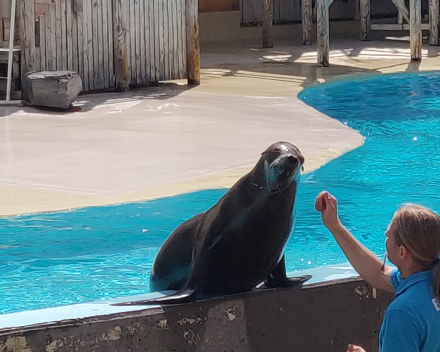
{"x": 239, "y": 242}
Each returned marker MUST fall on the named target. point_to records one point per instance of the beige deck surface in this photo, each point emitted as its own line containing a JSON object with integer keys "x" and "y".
{"x": 167, "y": 140}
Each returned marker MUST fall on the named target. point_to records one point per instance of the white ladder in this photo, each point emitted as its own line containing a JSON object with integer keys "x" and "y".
{"x": 10, "y": 51}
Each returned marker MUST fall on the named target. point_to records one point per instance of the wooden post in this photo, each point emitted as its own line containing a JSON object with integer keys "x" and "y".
{"x": 267, "y": 21}
{"x": 433, "y": 21}
{"x": 120, "y": 30}
{"x": 27, "y": 35}
{"x": 399, "y": 17}
{"x": 323, "y": 24}
{"x": 403, "y": 11}
{"x": 415, "y": 19}
{"x": 306, "y": 15}
{"x": 192, "y": 43}
{"x": 364, "y": 8}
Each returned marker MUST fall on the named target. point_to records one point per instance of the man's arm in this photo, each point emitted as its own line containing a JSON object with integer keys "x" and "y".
{"x": 365, "y": 262}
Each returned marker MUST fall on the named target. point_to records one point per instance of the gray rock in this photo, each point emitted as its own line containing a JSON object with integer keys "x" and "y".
{"x": 53, "y": 89}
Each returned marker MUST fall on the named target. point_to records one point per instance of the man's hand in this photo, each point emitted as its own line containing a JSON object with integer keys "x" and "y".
{"x": 354, "y": 348}
{"x": 328, "y": 206}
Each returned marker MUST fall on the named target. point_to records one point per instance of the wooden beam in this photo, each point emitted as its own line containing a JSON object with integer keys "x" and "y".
{"x": 415, "y": 21}
{"x": 120, "y": 30}
{"x": 267, "y": 22}
{"x": 433, "y": 21}
{"x": 192, "y": 43}
{"x": 396, "y": 27}
{"x": 323, "y": 31}
{"x": 364, "y": 8}
{"x": 403, "y": 11}
{"x": 306, "y": 15}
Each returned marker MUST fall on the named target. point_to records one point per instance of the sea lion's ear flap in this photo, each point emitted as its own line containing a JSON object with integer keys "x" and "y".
{"x": 302, "y": 168}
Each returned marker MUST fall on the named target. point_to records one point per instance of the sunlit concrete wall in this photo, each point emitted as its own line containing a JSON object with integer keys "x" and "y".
{"x": 320, "y": 317}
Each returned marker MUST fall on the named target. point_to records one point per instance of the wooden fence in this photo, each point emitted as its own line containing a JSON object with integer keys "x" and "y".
{"x": 113, "y": 43}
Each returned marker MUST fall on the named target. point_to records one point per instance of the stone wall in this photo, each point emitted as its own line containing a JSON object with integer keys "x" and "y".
{"x": 319, "y": 317}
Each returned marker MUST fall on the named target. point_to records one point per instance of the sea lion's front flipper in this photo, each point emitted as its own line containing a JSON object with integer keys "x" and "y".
{"x": 278, "y": 277}
{"x": 177, "y": 298}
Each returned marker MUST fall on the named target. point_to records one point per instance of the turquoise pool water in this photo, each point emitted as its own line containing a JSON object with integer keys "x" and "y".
{"x": 104, "y": 252}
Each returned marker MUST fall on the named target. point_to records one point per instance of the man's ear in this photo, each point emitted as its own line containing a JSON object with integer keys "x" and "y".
{"x": 403, "y": 252}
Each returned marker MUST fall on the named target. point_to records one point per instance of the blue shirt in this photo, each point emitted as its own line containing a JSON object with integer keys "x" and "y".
{"x": 412, "y": 320}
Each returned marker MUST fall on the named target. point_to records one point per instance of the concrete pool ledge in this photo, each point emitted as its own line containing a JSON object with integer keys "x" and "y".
{"x": 318, "y": 317}
{"x": 320, "y": 275}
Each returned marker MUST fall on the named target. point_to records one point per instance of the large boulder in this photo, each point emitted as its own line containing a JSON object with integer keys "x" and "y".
{"x": 53, "y": 89}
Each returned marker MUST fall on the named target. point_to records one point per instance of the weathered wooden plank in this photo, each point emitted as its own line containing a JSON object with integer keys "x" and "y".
{"x": 132, "y": 44}
{"x": 137, "y": 35}
{"x": 170, "y": 39}
{"x": 58, "y": 31}
{"x": 111, "y": 72}
{"x": 51, "y": 46}
{"x": 166, "y": 40}
{"x": 120, "y": 30}
{"x": 434, "y": 6}
{"x": 104, "y": 43}
{"x": 267, "y": 22}
{"x": 63, "y": 34}
{"x": 175, "y": 35}
{"x": 78, "y": 6}
{"x": 143, "y": 34}
{"x": 180, "y": 39}
{"x": 150, "y": 40}
{"x": 100, "y": 41}
{"x": 157, "y": 57}
{"x": 42, "y": 23}
{"x": 74, "y": 26}
{"x": 81, "y": 64}
{"x": 95, "y": 44}
{"x": 27, "y": 35}
{"x": 151, "y": 50}
{"x": 192, "y": 43}
{"x": 184, "y": 36}
{"x": 146, "y": 42}
{"x": 415, "y": 21}
{"x": 306, "y": 20}
{"x": 88, "y": 38}
{"x": 161, "y": 42}
{"x": 69, "y": 34}
{"x": 364, "y": 8}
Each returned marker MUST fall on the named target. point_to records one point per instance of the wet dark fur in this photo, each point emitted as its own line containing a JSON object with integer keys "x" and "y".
{"x": 239, "y": 242}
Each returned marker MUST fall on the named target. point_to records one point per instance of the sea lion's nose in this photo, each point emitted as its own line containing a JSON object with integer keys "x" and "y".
{"x": 296, "y": 159}
{"x": 293, "y": 160}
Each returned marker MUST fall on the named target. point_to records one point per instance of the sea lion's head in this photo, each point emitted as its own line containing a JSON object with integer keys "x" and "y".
{"x": 283, "y": 163}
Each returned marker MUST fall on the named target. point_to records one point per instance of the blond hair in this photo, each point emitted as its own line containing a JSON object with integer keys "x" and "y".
{"x": 418, "y": 229}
